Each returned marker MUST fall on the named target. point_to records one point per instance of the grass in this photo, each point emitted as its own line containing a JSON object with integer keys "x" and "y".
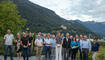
{"x": 101, "y": 54}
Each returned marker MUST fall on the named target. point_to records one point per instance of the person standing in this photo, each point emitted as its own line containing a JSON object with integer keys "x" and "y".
{"x": 44, "y": 47}
{"x": 66, "y": 46}
{"x": 30, "y": 38}
{"x": 48, "y": 47}
{"x": 85, "y": 46}
{"x": 18, "y": 45}
{"x": 77, "y": 37}
{"x": 8, "y": 39}
{"x": 80, "y": 50}
{"x": 39, "y": 45}
{"x": 71, "y": 39}
{"x": 25, "y": 46}
{"x": 95, "y": 48}
{"x": 74, "y": 45}
{"x": 53, "y": 41}
{"x": 59, "y": 43}
{"x": 62, "y": 35}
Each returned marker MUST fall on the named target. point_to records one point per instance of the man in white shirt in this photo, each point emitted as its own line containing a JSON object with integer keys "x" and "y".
{"x": 8, "y": 39}
{"x": 48, "y": 47}
{"x": 39, "y": 45}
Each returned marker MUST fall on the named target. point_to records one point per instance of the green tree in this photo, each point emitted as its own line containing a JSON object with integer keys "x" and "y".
{"x": 10, "y": 18}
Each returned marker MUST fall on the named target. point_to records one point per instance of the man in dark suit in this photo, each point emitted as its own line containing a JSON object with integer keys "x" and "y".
{"x": 66, "y": 47}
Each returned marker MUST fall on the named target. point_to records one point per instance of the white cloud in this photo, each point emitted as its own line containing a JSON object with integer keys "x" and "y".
{"x": 85, "y": 10}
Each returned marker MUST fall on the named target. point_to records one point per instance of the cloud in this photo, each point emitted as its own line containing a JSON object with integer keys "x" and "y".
{"x": 85, "y": 10}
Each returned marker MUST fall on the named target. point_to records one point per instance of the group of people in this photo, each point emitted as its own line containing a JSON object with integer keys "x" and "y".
{"x": 53, "y": 47}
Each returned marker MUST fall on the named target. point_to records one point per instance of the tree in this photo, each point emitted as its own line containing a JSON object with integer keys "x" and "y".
{"x": 10, "y": 18}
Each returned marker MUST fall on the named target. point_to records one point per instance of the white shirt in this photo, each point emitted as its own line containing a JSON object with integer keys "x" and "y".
{"x": 48, "y": 41}
{"x": 8, "y": 39}
{"x": 39, "y": 42}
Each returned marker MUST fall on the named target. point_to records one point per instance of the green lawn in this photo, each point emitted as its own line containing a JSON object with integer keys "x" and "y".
{"x": 101, "y": 54}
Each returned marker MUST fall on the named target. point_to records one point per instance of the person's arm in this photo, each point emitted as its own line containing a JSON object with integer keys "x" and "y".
{"x": 21, "y": 43}
{"x": 28, "y": 43}
{"x": 42, "y": 44}
{"x": 61, "y": 42}
{"x": 71, "y": 44}
{"x": 81, "y": 44}
{"x": 78, "y": 44}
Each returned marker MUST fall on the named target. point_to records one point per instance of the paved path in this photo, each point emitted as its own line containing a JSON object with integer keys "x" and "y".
{"x": 15, "y": 58}
{"x": 31, "y": 58}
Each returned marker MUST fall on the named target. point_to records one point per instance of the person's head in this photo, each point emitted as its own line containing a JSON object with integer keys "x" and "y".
{"x": 62, "y": 34}
{"x": 44, "y": 35}
{"x": 85, "y": 37}
{"x": 67, "y": 35}
{"x": 38, "y": 36}
{"x": 59, "y": 34}
{"x": 49, "y": 34}
{"x": 18, "y": 35}
{"x": 95, "y": 40}
{"x": 39, "y": 33}
{"x": 53, "y": 36}
{"x": 30, "y": 34}
{"x": 71, "y": 37}
{"x": 24, "y": 34}
{"x": 9, "y": 31}
{"x": 81, "y": 36}
{"x": 74, "y": 38}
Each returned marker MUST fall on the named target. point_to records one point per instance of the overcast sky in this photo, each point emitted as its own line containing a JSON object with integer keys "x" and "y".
{"x": 85, "y": 10}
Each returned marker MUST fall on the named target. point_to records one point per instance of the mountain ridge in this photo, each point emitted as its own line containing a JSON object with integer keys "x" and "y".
{"x": 96, "y": 27}
{"x": 40, "y": 19}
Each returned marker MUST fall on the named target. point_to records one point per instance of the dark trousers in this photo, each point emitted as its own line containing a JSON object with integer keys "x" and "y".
{"x": 25, "y": 53}
{"x": 6, "y": 51}
{"x": 85, "y": 53}
{"x": 73, "y": 56}
{"x": 70, "y": 50}
{"x": 80, "y": 53}
{"x": 48, "y": 51}
{"x": 66, "y": 53}
{"x": 29, "y": 50}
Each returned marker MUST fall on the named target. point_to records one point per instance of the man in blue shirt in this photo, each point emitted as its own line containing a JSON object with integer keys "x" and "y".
{"x": 48, "y": 47}
{"x": 53, "y": 45}
{"x": 85, "y": 47}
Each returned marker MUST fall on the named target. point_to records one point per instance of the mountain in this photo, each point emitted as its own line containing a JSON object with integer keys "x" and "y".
{"x": 96, "y": 27}
{"x": 45, "y": 20}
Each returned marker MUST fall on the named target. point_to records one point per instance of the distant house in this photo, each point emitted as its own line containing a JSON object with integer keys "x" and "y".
{"x": 63, "y": 27}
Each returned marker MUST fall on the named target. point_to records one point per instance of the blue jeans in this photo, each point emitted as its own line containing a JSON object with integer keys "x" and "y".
{"x": 25, "y": 53}
{"x": 6, "y": 51}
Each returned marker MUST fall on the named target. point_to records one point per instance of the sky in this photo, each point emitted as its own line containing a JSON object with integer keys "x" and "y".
{"x": 84, "y": 10}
